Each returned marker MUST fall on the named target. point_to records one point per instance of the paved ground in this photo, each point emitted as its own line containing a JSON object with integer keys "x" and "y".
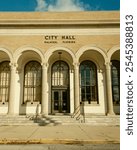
{"x": 61, "y": 147}
{"x": 67, "y": 134}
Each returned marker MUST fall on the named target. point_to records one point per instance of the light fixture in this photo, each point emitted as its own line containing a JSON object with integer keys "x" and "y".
{"x": 59, "y": 59}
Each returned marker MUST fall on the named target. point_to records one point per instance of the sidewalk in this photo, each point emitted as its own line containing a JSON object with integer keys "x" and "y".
{"x": 67, "y": 134}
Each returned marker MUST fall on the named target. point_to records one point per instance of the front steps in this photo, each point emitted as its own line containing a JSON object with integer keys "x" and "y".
{"x": 7, "y": 120}
{"x": 103, "y": 120}
{"x": 88, "y": 120}
{"x": 52, "y": 120}
{"x": 62, "y": 120}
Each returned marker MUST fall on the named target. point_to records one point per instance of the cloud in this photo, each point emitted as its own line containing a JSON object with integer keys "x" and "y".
{"x": 66, "y": 5}
{"x": 60, "y": 5}
{"x": 41, "y": 5}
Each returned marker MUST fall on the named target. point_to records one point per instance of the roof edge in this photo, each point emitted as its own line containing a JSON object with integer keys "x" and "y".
{"x": 66, "y": 18}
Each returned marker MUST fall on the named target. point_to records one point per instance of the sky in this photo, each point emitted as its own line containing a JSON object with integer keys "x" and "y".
{"x": 59, "y": 5}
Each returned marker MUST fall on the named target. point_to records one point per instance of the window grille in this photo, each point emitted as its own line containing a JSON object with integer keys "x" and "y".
{"x": 88, "y": 81}
{"x": 115, "y": 72}
{"x": 60, "y": 74}
{"x": 32, "y": 82}
{"x": 4, "y": 81}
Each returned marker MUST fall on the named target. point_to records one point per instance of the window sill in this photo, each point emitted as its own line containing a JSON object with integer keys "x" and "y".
{"x": 93, "y": 103}
{"x": 31, "y": 104}
{"x": 3, "y": 103}
{"x": 116, "y": 104}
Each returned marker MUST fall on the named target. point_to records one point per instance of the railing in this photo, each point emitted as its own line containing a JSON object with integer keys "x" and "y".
{"x": 83, "y": 111}
{"x": 78, "y": 112}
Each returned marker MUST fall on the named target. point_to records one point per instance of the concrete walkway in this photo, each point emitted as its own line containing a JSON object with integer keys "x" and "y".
{"x": 61, "y": 134}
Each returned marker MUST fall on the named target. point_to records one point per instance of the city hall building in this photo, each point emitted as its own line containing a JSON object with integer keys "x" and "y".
{"x": 56, "y": 63}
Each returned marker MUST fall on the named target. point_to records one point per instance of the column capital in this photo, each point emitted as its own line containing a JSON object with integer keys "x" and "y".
{"x": 76, "y": 64}
{"x": 13, "y": 65}
{"x": 100, "y": 70}
{"x": 108, "y": 63}
{"x": 44, "y": 65}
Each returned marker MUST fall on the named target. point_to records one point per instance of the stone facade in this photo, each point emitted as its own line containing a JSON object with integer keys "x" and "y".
{"x": 71, "y": 39}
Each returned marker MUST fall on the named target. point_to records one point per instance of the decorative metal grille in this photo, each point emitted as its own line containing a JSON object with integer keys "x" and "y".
{"x": 88, "y": 81}
{"x": 32, "y": 82}
{"x": 60, "y": 74}
{"x": 115, "y": 72}
{"x": 4, "y": 81}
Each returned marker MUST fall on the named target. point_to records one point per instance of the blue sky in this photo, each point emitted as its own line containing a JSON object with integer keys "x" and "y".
{"x": 59, "y": 5}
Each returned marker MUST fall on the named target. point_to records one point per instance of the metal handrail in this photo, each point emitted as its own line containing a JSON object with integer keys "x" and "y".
{"x": 77, "y": 113}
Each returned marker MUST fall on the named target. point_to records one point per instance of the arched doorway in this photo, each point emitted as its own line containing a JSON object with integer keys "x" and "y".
{"x": 92, "y": 79}
{"x": 60, "y": 87}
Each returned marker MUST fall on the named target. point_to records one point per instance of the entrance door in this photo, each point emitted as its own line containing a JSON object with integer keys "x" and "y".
{"x": 60, "y": 87}
{"x": 60, "y": 101}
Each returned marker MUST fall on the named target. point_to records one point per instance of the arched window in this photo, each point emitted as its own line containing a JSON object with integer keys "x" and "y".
{"x": 32, "y": 82}
{"x": 115, "y": 72}
{"x": 60, "y": 74}
{"x": 4, "y": 81}
{"x": 88, "y": 81}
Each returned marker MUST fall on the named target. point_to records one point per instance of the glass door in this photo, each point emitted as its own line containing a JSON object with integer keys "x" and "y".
{"x": 60, "y": 102}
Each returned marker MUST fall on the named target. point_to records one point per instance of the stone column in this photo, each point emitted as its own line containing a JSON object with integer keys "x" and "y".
{"x": 76, "y": 89}
{"x": 11, "y": 105}
{"x": 109, "y": 89}
{"x": 44, "y": 104}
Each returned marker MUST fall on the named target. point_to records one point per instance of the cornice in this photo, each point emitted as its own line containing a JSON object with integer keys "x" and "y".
{"x": 59, "y": 19}
{"x": 58, "y": 23}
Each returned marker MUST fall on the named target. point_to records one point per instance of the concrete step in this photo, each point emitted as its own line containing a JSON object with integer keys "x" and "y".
{"x": 15, "y": 120}
{"x": 103, "y": 120}
{"x": 62, "y": 119}
{"x": 59, "y": 120}
{"x": 68, "y": 120}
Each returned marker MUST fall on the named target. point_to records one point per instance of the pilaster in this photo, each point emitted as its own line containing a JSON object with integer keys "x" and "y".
{"x": 77, "y": 88}
{"x": 11, "y": 105}
{"x": 44, "y": 104}
{"x": 109, "y": 89}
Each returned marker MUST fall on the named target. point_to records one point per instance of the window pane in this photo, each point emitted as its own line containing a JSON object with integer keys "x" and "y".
{"x": 4, "y": 81}
{"x": 88, "y": 77}
{"x": 115, "y": 70}
{"x": 32, "y": 82}
{"x": 56, "y": 100}
{"x": 83, "y": 91}
{"x": 60, "y": 74}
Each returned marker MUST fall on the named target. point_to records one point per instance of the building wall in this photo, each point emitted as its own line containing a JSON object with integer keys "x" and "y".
{"x": 23, "y": 39}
